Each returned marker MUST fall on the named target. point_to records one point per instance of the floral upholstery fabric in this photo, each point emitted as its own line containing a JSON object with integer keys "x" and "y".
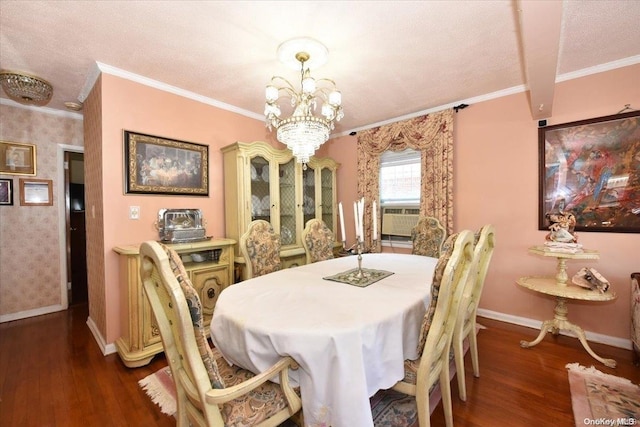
{"x": 438, "y": 273}
{"x": 318, "y": 241}
{"x": 427, "y": 237}
{"x": 195, "y": 309}
{"x": 262, "y": 246}
{"x": 251, "y": 408}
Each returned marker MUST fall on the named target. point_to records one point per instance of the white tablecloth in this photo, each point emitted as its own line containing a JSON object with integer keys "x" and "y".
{"x": 349, "y": 342}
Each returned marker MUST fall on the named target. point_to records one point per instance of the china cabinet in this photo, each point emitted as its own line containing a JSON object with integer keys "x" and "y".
{"x": 209, "y": 265}
{"x": 264, "y": 182}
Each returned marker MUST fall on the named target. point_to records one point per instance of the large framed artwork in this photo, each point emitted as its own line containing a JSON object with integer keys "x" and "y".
{"x": 17, "y": 158}
{"x": 156, "y": 165}
{"x": 591, "y": 168}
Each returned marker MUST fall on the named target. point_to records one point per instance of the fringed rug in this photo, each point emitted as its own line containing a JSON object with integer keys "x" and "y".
{"x": 388, "y": 407}
{"x": 160, "y": 388}
{"x": 602, "y": 399}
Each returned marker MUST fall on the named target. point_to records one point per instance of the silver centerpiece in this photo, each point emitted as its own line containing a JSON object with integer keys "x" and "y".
{"x": 180, "y": 225}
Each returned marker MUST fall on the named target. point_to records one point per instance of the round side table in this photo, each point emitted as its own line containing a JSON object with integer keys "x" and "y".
{"x": 563, "y": 293}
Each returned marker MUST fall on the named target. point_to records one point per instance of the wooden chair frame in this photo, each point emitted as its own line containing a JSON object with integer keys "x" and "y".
{"x": 197, "y": 402}
{"x": 466, "y": 322}
{"x": 434, "y": 361}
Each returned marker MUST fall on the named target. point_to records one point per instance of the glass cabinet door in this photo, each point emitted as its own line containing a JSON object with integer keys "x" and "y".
{"x": 308, "y": 194}
{"x": 286, "y": 174}
{"x": 326, "y": 194}
{"x": 260, "y": 195}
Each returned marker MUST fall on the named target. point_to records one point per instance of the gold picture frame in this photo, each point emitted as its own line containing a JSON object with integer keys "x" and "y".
{"x": 590, "y": 168}
{"x": 156, "y": 165}
{"x": 36, "y": 192}
{"x": 17, "y": 158}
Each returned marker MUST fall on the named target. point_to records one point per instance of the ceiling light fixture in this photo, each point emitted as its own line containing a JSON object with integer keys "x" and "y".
{"x": 26, "y": 88}
{"x": 303, "y": 131}
{"x": 73, "y": 106}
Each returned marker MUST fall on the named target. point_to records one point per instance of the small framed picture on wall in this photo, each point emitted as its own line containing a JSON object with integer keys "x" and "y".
{"x": 6, "y": 192}
{"x": 17, "y": 158}
{"x": 36, "y": 192}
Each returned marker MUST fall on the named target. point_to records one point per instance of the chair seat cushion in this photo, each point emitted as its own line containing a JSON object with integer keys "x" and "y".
{"x": 411, "y": 373}
{"x": 254, "y": 407}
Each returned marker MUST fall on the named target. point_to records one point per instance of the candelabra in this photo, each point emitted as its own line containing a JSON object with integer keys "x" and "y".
{"x": 359, "y": 247}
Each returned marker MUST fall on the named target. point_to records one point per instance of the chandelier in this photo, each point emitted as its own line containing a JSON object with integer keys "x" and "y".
{"x": 26, "y": 88}
{"x": 303, "y": 131}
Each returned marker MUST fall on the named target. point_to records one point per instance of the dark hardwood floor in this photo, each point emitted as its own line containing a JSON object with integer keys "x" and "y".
{"x": 53, "y": 374}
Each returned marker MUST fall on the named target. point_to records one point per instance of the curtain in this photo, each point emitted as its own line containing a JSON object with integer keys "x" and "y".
{"x": 432, "y": 134}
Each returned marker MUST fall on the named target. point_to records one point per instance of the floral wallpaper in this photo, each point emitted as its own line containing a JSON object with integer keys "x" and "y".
{"x": 30, "y": 276}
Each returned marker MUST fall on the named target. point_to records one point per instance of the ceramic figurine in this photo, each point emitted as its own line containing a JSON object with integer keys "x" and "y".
{"x": 561, "y": 228}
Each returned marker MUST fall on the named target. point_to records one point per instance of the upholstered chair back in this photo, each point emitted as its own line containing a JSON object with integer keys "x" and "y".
{"x": 317, "y": 240}
{"x": 260, "y": 247}
{"x": 427, "y": 237}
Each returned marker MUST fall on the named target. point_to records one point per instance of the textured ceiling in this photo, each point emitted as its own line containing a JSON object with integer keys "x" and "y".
{"x": 389, "y": 58}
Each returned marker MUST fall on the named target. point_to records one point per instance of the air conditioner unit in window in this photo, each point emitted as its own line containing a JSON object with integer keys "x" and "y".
{"x": 399, "y": 221}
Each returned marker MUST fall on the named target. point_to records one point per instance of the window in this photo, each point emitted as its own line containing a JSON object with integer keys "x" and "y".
{"x": 400, "y": 177}
{"x": 399, "y": 195}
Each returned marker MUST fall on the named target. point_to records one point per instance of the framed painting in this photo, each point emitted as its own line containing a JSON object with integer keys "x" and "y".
{"x": 6, "y": 192}
{"x": 156, "y": 165}
{"x": 591, "y": 168}
{"x": 36, "y": 192}
{"x": 17, "y": 158}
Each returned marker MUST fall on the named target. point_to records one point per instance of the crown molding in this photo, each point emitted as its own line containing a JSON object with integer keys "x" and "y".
{"x": 46, "y": 110}
{"x": 108, "y": 69}
{"x": 625, "y": 62}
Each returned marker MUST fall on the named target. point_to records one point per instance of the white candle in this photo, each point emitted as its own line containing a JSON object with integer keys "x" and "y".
{"x": 375, "y": 221}
{"x": 361, "y": 220}
{"x": 355, "y": 217}
{"x": 342, "y": 235}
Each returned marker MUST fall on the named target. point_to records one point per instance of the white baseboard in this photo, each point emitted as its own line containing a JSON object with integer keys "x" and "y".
{"x": 31, "y": 313}
{"x": 102, "y": 343}
{"x": 536, "y": 324}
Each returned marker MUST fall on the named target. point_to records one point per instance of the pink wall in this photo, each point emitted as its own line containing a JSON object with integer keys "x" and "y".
{"x": 130, "y": 106}
{"x": 496, "y": 181}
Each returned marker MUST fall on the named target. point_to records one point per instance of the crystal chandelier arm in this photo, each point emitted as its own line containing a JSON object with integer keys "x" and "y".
{"x": 287, "y": 87}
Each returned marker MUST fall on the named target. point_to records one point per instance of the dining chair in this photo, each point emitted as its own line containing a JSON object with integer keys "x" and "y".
{"x": 209, "y": 392}
{"x": 427, "y": 237}
{"x": 450, "y": 281}
{"x": 260, "y": 247}
{"x": 317, "y": 240}
{"x": 466, "y": 322}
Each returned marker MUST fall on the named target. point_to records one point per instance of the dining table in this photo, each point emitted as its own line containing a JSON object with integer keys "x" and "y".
{"x": 349, "y": 339}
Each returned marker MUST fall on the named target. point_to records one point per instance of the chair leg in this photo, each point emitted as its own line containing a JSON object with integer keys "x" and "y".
{"x": 473, "y": 347}
{"x": 459, "y": 357}
{"x": 445, "y": 389}
{"x": 424, "y": 412}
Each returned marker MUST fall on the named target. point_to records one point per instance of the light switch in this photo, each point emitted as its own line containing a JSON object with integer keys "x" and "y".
{"x": 134, "y": 212}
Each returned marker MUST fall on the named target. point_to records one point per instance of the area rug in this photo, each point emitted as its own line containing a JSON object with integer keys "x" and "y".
{"x": 160, "y": 388}
{"x": 388, "y": 407}
{"x": 602, "y": 399}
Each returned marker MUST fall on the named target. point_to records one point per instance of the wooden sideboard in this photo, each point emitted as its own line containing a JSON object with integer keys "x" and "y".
{"x": 140, "y": 340}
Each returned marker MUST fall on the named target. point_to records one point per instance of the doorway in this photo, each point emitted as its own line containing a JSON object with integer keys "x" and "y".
{"x": 76, "y": 243}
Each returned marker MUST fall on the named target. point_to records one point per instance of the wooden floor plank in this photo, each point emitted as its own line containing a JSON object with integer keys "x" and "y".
{"x": 52, "y": 373}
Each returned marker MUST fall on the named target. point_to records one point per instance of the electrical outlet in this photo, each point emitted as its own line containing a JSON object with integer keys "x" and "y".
{"x": 134, "y": 212}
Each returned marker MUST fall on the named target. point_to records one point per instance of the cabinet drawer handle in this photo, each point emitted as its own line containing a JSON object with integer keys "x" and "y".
{"x": 211, "y": 293}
